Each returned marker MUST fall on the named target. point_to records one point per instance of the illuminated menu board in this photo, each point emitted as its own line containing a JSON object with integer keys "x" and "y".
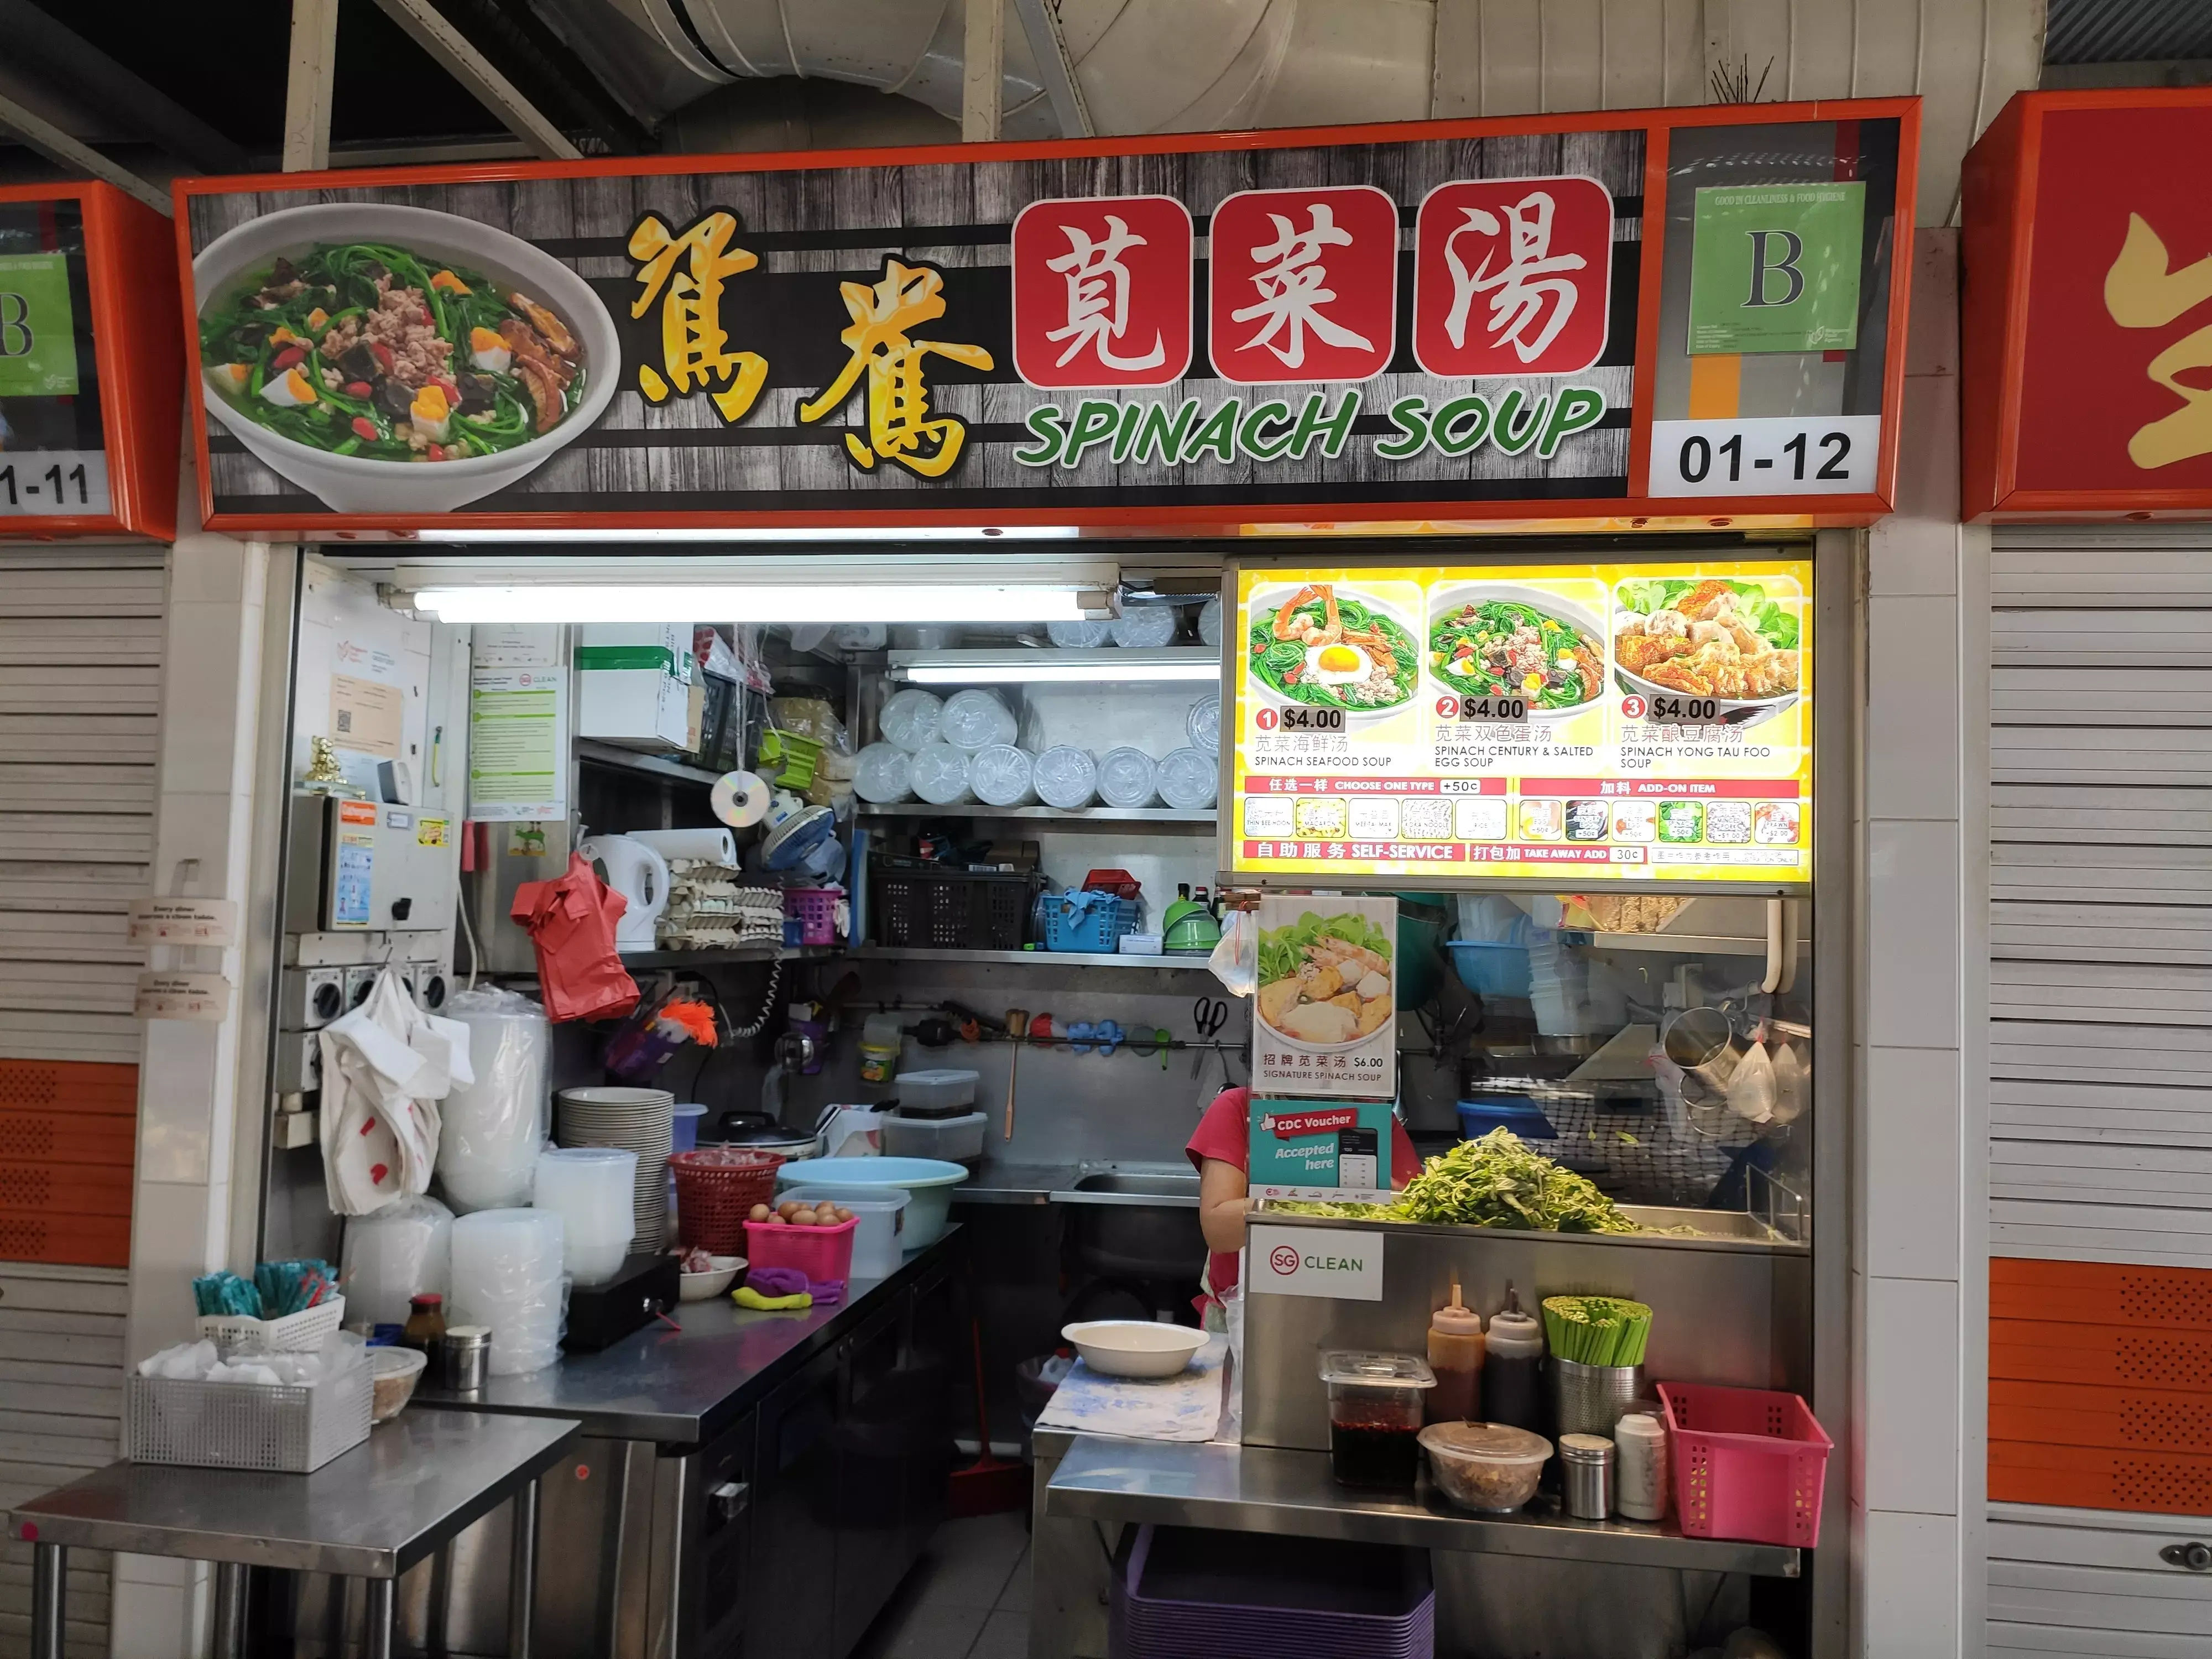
{"x": 1562, "y": 723}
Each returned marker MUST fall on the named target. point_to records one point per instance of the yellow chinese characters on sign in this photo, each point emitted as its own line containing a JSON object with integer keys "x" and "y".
{"x": 901, "y": 428}
{"x": 683, "y": 272}
{"x": 2142, "y": 291}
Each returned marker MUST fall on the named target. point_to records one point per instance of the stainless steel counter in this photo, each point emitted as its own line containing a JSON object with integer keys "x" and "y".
{"x": 684, "y": 1387}
{"x": 1269, "y": 1490}
{"x": 994, "y": 1183}
{"x": 370, "y": 1513}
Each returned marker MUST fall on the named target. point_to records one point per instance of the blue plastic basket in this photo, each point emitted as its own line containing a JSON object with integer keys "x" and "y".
{"x": 1085, "y": 920}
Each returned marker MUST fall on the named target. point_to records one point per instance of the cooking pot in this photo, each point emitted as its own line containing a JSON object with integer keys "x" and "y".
{"x": 756, "y": 1131}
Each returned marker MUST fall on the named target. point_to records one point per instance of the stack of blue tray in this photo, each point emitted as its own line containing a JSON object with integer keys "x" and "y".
{"x": 1182, "y": 1593}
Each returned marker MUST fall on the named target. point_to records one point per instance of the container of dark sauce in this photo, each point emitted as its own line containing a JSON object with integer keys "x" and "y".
{"x": 1374, "y": 1416}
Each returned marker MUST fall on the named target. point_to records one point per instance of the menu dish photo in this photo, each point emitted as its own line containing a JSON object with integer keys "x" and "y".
{"x": 1316, "y": 646}
{"x": 1326, "y": 993}
{"x": 1732, "y": 641}
{"x": 1503, "y": 640}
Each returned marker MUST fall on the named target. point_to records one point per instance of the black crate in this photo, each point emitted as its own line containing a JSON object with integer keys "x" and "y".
{"x": 948, "y": 909}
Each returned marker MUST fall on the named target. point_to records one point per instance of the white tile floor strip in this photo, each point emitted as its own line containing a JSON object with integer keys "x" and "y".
{"x": 967, "y": 1597}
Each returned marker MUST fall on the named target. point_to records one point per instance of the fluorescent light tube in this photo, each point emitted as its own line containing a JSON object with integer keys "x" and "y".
{"x": 756, "y": 602}
{"x": 1045, "y": 671}
{"x": 977, "y": 533}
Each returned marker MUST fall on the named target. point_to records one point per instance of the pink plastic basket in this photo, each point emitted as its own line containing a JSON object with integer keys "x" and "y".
{"x": 814, "y": 910}
{"x": 1748, "y": 1463}
{"x": 820, "y": 1253}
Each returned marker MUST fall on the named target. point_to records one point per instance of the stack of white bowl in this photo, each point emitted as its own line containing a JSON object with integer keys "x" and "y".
{"x": 507, "y": 1277}
{"x": 641, "y": 1120}
{"x": 593, "y": 1189}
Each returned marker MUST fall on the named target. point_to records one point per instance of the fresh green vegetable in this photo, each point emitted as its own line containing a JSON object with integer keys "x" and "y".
{"x": 1596, "y": 1330}
{"x": 1775, "y": 623}
{"x": 1498, "y": 1182}
{"x": 1284, "y": 664}
{"x": 1282, "y": 949}
{"x": 1497, "y": 648}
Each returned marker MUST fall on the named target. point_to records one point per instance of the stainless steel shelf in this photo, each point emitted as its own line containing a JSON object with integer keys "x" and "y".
{"x": 1164, "y": 816}
{"x": 1025, "y": 958}
{"x": 1692, "y": 945}
{"x": 729, "y": 953}
{"x": 629, "y": 760}
{"x": 1265, "y": 1489}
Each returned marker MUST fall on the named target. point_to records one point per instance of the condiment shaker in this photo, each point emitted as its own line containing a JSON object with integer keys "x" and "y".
{"x": 464, "y": 1355}
{"x": 1640, "y": 1467}
{"x": 1586, "y": 1467}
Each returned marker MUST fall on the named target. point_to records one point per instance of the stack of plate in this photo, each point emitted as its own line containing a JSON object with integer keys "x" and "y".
{"x": 642, "y": 1121}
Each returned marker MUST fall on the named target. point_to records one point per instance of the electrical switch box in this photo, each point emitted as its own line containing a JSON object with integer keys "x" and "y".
{"x": 366, "y": 866}
{"x": 311, "y": 998}
{"x": 299, "y": 1063}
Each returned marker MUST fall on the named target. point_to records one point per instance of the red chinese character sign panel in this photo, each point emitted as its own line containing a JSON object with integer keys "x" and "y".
{"x": 2088, "y": 310}
{"x": 1511, "y": 277}
{"x": 1400, "y": 322}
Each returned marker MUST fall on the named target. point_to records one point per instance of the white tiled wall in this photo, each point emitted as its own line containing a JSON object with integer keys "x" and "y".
{"x": 1918, "y": 1395}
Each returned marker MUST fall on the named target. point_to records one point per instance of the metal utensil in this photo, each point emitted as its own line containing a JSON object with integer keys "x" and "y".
{"x": 1210, "y": 1014}
{"x": 1018, "y": 1025}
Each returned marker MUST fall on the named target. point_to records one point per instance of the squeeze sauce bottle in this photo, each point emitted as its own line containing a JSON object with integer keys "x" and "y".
{"x": 1455, "y": 1355}
{"x": 1513, "y": 1382}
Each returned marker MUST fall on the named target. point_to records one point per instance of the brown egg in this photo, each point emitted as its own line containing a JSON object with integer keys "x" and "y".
{"x": 843, "y": 1214}
{"x": 802, "y": 1218}
{"x": 760, "y": 1213}
{"x": 788, "y": 1209}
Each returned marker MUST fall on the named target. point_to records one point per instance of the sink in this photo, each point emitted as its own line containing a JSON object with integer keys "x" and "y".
{"x": 1136, "y": 1222}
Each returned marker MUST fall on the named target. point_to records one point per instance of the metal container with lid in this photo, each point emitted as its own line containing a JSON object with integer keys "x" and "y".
{"x": 1586, "y": 1470}
{"x": 464, "y": 1353}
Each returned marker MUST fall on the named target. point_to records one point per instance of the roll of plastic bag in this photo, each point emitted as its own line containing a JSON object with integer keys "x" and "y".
{"x": 1065, "y": 776}
{"x": 1144, "y": 625}
{"x": 1002, "y": 775}
{"x": 403, "y": 1250}
{"x": 1126, "y": 777}
{"x": 940, "y": 773}
{"x": 884, "y": 772}
{"x": 492, "y": 1129}
{"x": 1188, "y": 779}
{"x": 975, "y": 719}
{"x": 1209, "y": 621}
{"x": 909, "y": 717}
{"x": 1202, "y": 725}
{"x": 507, "y": 1276}
{"x": 1078, "y": 635}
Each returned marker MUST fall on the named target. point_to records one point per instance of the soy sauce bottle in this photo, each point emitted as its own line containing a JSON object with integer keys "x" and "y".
{"x": 1512, "y": 1373}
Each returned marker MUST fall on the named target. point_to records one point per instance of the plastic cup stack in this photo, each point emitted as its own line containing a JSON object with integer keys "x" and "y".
{"x": 507, "y": 1276}
{"x": 975, "y": 719}
{"x": 1002, "y": 775}
{"x": 1126, "y": 777}
{"x": 1188, "y": 779}
{"x": 593, "y": 1189}
{"x": 941, "y": 773}
{"x": 1065, "y": 776}
{"x": 909, "y": 717}
{"x": 882, "y": 772}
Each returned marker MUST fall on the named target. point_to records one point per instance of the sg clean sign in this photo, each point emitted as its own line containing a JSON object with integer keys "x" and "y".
{"x": 1314, "y": 1261}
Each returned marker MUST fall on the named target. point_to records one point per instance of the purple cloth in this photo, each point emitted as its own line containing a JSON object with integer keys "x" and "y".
{"x": 776, "y": 1281}
{"x": 827, "y": 1292}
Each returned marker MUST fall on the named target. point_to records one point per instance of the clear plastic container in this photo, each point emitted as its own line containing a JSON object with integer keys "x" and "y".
{"x": 909, "y": 717}
{"x": 976, "y": 720}
{"x": 1374, "y": 1416}
{"x": 1490, "y": 1467}
{"x": 941, "y": 773}
{"x": 1065, "y": 776}
{"x": 882, "y": 772}
{"x": 1202, "y": 725}
{"x": 1078, "y": 635}
{"x": 1209, "y": 621}
{"x": 879, "y": 1241}
{"x": 1188, "y": 779}
{"x": 1002, "y": 775}
{"x": 955, "y": 1140}
{"x": 1144, "y": 625}
{"x": 1127, "y": 777}
{"x": 941, "y": 1089}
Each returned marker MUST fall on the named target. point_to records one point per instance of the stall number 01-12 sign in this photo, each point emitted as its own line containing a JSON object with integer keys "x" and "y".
{"x": 1570, "y": 724}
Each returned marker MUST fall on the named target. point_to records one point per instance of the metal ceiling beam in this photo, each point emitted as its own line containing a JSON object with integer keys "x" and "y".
{"x": 982, "y": 69}
{"x": 75, "y": 158}
{"x": 427, "y": 27}
{"x": 310, "y": 73}
{"x": 1041, "y": 22}
{"x": 89, "y": 75}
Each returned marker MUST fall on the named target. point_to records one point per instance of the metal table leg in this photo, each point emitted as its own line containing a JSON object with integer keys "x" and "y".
{"x": 522, "y": 1572}
{"x": 229, "y": 1610}
{"x": 382, "y": 1606}
{"x": 49, "y": 1580}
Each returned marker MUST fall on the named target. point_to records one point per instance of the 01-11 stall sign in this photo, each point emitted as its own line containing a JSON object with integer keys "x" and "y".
{"x": 1575, "y": 725}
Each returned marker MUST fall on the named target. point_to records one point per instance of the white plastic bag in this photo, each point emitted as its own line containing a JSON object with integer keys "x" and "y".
{"x": 493, "y": 1128}
{"x": 1235, "y": 959}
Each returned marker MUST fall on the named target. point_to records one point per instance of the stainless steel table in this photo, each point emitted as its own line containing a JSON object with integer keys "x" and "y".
{"x": 370, "y": 1514}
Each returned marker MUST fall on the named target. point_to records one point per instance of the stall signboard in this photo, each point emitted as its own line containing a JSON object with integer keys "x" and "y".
{"x": 1327, "y": 1000}
{"x": 1473, "y": 319}
{"x": 1320, "y": 1149}
{"x": 1566, "y": 724}
{"x": 90, "y": 365}
{"x": 2086, "y": 320}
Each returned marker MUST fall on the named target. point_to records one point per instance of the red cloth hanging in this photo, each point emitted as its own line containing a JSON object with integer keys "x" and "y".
{"x": 571, "y": 920}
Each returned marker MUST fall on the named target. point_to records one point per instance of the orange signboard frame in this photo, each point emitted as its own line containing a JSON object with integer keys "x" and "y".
{"x": 1636, "y": 509}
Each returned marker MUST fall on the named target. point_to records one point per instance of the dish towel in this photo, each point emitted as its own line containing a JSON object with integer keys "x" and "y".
{"x": 385, "y": 1066}
{"x": 1184, "y": 1407}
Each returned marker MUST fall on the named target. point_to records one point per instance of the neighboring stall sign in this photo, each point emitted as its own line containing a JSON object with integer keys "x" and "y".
{"x": 2085, "y": 321}
{"x": 1567, "y": 723}
{"x": 89, "y": 365}
{"x": 1563, "y": 317}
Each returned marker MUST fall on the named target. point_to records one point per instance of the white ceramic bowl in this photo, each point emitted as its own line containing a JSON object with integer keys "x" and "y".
{"x": 1135, "y": 1347}
{"x": 355, "y": 483}
{"x": 701, "y": 1287}
{"x": 1458, "y": 594}
{"x": 1265, "y": 601}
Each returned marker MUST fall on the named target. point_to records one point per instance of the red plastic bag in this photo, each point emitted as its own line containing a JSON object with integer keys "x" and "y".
{"x": 571, "y": 920}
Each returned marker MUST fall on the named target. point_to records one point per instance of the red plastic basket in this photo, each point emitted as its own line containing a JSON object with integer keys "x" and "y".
{"x": 1748, "y": 1463}
{"x": 814, "y": 910}
{"x": 716, "y": 1188}
{"x": 821, "y": 1253}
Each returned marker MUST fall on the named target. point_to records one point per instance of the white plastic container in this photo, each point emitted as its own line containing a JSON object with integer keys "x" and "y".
{"x": 1639, "y": 1487}
{"x": 955, "y": 1140}
{"x": 1209, "y": 621}
{"x": 1145, "y": 626}
{"x": 1188, "y": 779}
{"x": 909, "y": 717}
{"x": 976, "y": 718}
{"x": 491, "y": 1129}
{"x": 1078, "y": 635}
{"x": 941, "y": 773}
{"x": 942, "y": 1089}
{"x": 882, "y": 772}
{"x": 1203, "y": 725}
{"x": 1127, "y": 777}
{"x": 401, "y": 1251}
{"x": 1065, "y": 776}
{"x": 879, "y": 1241}
{"x": 507, "y": 1276}
{"x": 594, "y": 1190}
{"x": 1002, "y": 775}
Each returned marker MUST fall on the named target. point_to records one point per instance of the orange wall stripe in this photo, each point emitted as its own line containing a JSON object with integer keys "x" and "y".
{"x": 1716, "y": 386}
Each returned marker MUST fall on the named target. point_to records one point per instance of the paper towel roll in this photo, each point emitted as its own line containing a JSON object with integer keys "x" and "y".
{"x": 714, "y": 846}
